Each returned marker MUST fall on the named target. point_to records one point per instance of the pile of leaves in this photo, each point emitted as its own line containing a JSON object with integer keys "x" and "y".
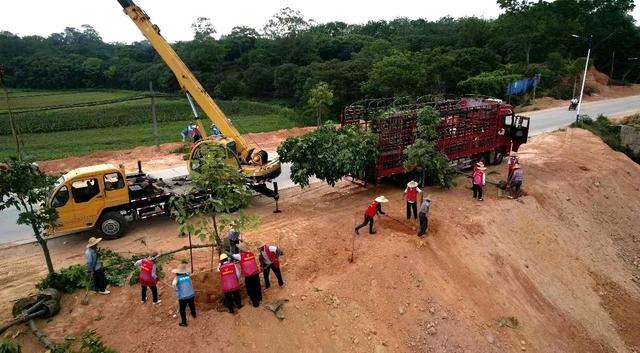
{"x": 91, "y": 343}
{"x": 118, "y": 270}
{"x": 330, "y": 153}
{"x": 423, "y": 156}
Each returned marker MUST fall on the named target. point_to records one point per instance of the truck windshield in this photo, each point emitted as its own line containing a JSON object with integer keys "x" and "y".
{"x": 58, "y": 182}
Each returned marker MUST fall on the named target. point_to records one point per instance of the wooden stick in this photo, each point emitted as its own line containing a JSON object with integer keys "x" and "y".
{"x": 41, "y": 336}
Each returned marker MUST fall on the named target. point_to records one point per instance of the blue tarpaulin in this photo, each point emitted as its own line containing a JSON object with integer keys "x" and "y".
{"x": 523, "y": 85}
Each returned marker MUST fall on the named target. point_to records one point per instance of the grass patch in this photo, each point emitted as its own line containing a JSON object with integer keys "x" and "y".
{"x": 53, "y": 145}
{"x": 247, "y": 116}
{"x": 23, "y": 101}
{"x": 609, "y": 133}
{"x": 511, "y": 322}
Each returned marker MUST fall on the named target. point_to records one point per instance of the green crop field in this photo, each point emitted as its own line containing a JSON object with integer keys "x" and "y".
{"x": 57, "y": 124}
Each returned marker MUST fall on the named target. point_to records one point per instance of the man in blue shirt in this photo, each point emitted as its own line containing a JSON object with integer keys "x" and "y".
{"x": 185, "y": 293}
{"x": 92, "y": 259}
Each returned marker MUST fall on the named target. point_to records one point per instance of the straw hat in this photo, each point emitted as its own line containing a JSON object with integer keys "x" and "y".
{"x": 381, "y": 199}
{"x": 480, "y": 164}
{"x": 243, "y": 247}
{"x": 513, "y": 154}
{"x": 93, "y": 241}
{"x": 428, "y": 198}
{"x": 182, "y": 269}
{"x": 412, "y": 184}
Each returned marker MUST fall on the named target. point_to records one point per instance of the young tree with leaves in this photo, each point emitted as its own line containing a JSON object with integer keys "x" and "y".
{"x": 423, "y": 156}
{"x": 219, "y": 187}
{"x": 320, "y": 99}
{"x": 25, "y": 187}
{"x": 330, "y": 154}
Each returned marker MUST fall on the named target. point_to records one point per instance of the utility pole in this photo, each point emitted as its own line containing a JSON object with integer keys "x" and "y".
{"x": 584, "y": 78}
{"x": 613, "y": 59}
{"x": 153, "y": 116}
{"x": 14, "y": 130}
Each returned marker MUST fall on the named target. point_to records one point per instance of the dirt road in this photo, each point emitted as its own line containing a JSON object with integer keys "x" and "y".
{"x": 563, "y": 262}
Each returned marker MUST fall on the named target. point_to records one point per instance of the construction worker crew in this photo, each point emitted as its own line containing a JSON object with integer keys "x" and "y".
{"x": 270, "y": 261}
{"x": 411, "y": 193}
{"x": 92, "y": 259}
{"x": 375, "y": 208}
{"x": 515, "y": 183}
{"x": 148, "y": 277}
{"x": 479, "y": 179}
{"x": 424, "y": 216}
{"x": 229, "y": 275}
{"x": 185, "y": 293}
{"x": 513, "y": 160}
{"x": 251, "y": 273}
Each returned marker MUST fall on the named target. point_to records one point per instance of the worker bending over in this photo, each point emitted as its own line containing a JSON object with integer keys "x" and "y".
{"x": 229, "y": 283}
{"x": 515, "y": 183}
{"x": 411, "y": 193}
{"x": 270, "y": 261}
{"x": 148, "y": 277}
{"x": 513, "y": 160}
{"x": 371, "y": 211}
{"x": 251, "y": 273}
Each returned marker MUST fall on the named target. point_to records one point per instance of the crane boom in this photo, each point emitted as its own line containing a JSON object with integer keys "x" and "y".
{"x": 186, "y": 79}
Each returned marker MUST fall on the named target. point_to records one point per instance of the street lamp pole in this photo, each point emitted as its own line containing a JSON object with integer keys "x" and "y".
{"x": 584, "y": 77}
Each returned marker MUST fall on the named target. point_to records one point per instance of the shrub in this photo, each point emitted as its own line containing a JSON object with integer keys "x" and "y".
{"x": 118, "y": 270}
{"x": 91, "y": 343}
{"x": 9, "y": 347}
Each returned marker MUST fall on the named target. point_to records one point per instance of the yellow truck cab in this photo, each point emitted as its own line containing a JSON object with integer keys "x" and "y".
{"x": 105, "y": 198}
{"x": 82, "y": 195}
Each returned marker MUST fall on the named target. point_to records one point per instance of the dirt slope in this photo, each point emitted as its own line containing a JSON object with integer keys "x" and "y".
{"x": 564, "y": 262}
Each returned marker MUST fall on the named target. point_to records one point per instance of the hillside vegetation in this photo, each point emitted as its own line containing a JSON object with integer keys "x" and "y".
{"x": 292, "y": 53}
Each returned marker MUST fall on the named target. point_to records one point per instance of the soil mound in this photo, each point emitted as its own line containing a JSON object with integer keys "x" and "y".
{"x": 558, "y": 271}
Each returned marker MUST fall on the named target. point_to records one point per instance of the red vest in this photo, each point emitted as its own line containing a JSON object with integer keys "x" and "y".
{"x": 412, "y": 194}
{"x": 228, "y": 280}
{"x": 248, "y": 265}
{"x": 272, "y": 256}
{"x": 477, "y": 177}
{"x": 146, "y": 268}
{"x": 371, "y": 210}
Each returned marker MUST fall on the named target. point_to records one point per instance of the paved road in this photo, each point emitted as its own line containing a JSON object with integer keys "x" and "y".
{"x": 541, "y": 121}
{"x": 555, "y": 118}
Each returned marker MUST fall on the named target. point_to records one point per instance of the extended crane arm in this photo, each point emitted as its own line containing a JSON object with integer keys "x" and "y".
{"x": 187, "y": 80}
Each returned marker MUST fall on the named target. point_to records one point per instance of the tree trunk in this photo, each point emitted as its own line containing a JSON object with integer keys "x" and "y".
{"x": 216, "y": 236}
{"x": 318, "y": 113}
{"x": 45, "y": 249}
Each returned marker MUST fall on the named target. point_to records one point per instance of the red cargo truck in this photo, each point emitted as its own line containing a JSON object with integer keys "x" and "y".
{"x": 471, "y": 129}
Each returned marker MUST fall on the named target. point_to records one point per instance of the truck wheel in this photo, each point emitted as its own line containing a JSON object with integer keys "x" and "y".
{"x": 499, "y": 157}
{"x": 111, "y": 225}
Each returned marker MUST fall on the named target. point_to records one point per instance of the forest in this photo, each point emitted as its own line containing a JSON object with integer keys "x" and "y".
{"x": 291, "y": 54}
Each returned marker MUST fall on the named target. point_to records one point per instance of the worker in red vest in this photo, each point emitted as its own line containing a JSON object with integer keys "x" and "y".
{"x": 229, "y": 283}
{"x": 411, "y": 194}
{"x": 479, "y": 180}
{"x": 375, "y": 208}
{"x": 148, "y": 277}
{"x": 251, "y": 273}
{"x": 270, "y": 261}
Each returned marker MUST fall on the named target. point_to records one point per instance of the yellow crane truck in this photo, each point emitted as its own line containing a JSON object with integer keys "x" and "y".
{"x": 105, "y": 198}
{"x": 255, "y": 164}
